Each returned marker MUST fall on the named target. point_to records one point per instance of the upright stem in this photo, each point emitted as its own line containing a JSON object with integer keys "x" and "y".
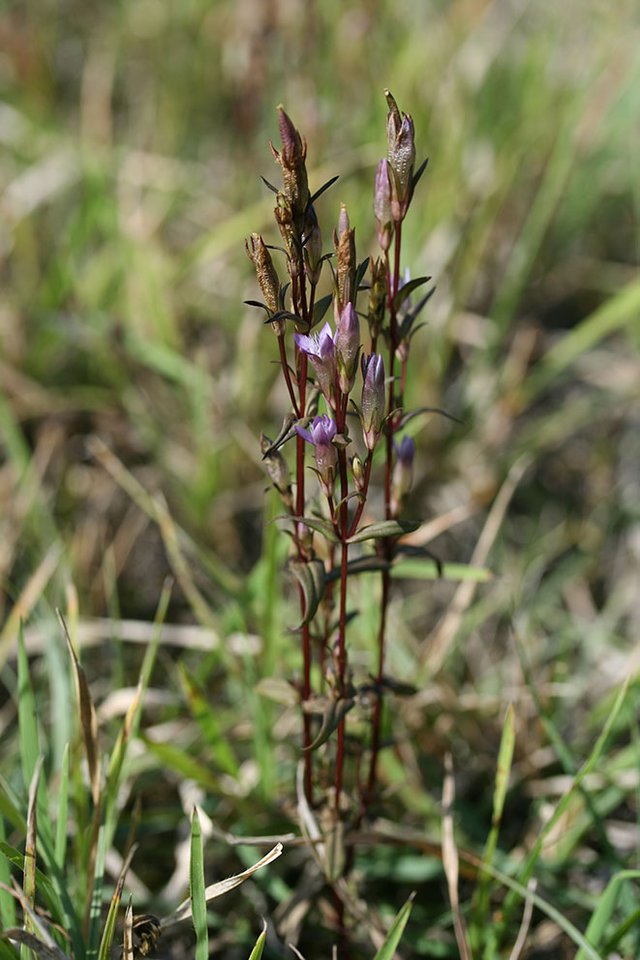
{"x": 341, "y": 416}
{"x": 393, "y": 285}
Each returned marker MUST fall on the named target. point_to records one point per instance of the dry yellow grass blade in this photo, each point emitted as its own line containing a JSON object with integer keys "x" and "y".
{"x": 183, "y": 912}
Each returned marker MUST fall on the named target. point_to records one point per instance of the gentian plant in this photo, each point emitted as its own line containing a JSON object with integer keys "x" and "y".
{"x": 346, "y": 390}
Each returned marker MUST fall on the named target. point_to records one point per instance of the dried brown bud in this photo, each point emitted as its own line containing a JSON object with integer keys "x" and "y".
{"x": 265, "y": 271}
{"x": 292, "y": 159}
{"x": 345, "y": 247}
{"x": 377, "y": 297}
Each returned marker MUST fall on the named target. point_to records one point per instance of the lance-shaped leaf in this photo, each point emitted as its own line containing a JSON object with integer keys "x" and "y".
{"x": 407, "y": 289}
{"x": 360, "y": 272}
{"x": 336, "y": 710}
{"x": 388, "y": 949}
{"x": 321, "y": 190}
{"x": 384, "y": 528}
{"x": 416, "y": 177}
{"x": 411, "y": 414}
{"x": 223, "y": 886}
{"x": 370, "y": 564}
{"x": 310, "y": 575}
{"x": 320, "y": 308}
{"x": 110, "y": 924}
{"x": 325, "y": 527}
{"x": 287, "y": 431}
{"x": 257, "y": 951}
{"x": 88, "y": 718}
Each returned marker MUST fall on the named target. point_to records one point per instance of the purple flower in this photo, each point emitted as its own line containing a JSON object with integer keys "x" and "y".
{"x": 320, "y": 349}
{"x": 320, "y": 435}
{"x": 373, "y": 400}
{"x": 347, "y": 343}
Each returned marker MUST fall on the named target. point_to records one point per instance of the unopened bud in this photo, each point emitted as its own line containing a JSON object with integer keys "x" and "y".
{"x": 357, "y": 470}
{"x": 373, "y": 399}
{"x": 312, "y": 245}
{"x": 401, "y": 156}
{"x": 347, "y": 343}
{"x": 377, "y": 298}
{"x": 382, "y": 205}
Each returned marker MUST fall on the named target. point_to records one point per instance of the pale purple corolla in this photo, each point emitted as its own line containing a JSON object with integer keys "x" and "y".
{"x": 320, "y": 349}
{"x": 373, "y": 399}
{"x": 320, "y": 435}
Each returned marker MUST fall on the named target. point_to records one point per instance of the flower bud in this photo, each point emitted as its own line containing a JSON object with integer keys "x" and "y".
{"x": 402, "y": 473}
{"x": 401, "y": 156}
{"x": 357, "y": 470}
{"x": 292, "y": 159}
{"x": 347, "y": 342}
{"x": 320, "y": 435}
{"x": 345, "y": 247}
{"x": 377, "y": 297}
{"x": 312, "y": 245}
{"x": 382, "y": 205}
{"x": 373, "y": 399}
{"x": 268, "y": 280}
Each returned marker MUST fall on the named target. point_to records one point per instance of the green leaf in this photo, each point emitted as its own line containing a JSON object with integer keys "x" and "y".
{"x": 388, "y": 949}
{"x": 505, "y": 759}
{"x": 197, "y": 889}
{"x": 384, "y": 528}
{"x": 206, "y": 716}
{"x": 325, "y": 527}
{"x": 419, "y": 569}
{"x": 407, "y": 289}
{"x": 177, "y": 759}
{"x": 311, "y": 577}
{"x": 320, "y": 308}
{"x": 335, "y": 712}
{"x": 607, "y": 903}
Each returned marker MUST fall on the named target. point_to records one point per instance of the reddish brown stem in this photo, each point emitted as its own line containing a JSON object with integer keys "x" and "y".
{"x": 287, "y": 376}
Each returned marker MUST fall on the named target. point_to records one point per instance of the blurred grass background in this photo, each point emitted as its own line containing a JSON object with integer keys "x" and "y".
{"x": 135, "y": 383}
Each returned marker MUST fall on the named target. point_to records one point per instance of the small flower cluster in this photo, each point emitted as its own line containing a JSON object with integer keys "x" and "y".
{"x": 321, "y": 365}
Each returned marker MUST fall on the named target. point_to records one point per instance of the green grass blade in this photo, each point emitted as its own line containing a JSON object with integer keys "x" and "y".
{"x": 95, "y": 911}
{"x": 197, "y": 889}
{"x": 528, "y": 867}
{"x": 27, "y": 718}
{"x": 205, "y": 715}
{"x": 179, "y": 760}
{"x": 388, "y": 949}
{"x": 104, "y": 953}
{"x": 60, "y": 848}
{"x": 256, "y": 953}
{"x": 8, "y": 915}
{"x": 607, "y": 902}
{"x": 505, "y": 759}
